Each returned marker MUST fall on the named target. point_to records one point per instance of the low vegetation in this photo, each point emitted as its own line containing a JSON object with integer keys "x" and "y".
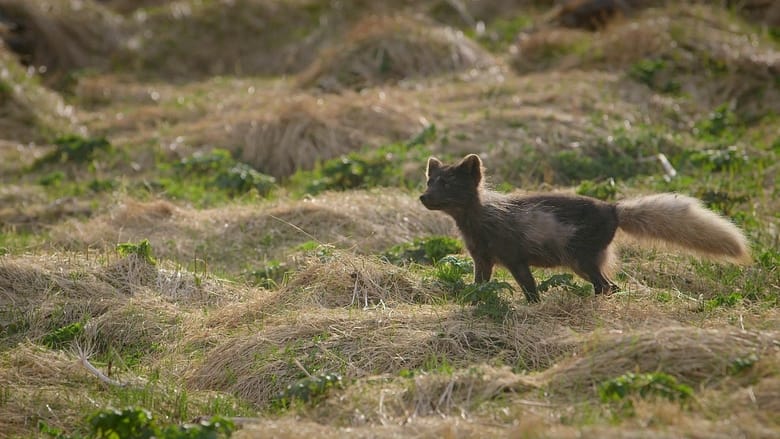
{"x": 210, "y": 225}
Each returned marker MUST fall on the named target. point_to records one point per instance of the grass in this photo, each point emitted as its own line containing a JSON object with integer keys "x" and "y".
{"x": 249, "y": 249}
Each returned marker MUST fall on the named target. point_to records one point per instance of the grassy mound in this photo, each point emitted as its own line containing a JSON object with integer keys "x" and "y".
{"x": 692, "y": 50}
{"x": 28, "y": 111}
{"x": 382, "y": 50}
{"x": 694, "y": 356}
{"x": 241, "y": 238}
{"x": 61, "y": 36}
{"x": 295, "y": 133}
{"x": 189, "y": 40}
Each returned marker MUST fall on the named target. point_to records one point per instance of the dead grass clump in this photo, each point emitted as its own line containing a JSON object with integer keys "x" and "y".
{"x": 384, "y": 49}
{"x": 237, "y": 238}
{"x": 679, "y": 48}
{"x": 143, "y": 324}
{"x": 341, "y": 279}
{"x": 383, "y": 341}
{"x": 293, "y": 133}
{"x": 454, "y": 427}
{"x": 560, "y": 48}
{"x": 462, "y": 391}
{"x": 693, "y": 356}
{"x": 42, "y": 294}
{"x": 30, "y": 364}
{"x": 28, "y": 111}
{"x": 41, "y": 385}
{"x": 388, "y": 400}
{"x": 127, "y": 221}
{"x": 194, "y": 39}
{"x": 58, "y": 36}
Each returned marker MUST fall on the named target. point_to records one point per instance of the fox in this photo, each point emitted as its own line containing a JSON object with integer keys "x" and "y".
{"x": 518, "y": 231}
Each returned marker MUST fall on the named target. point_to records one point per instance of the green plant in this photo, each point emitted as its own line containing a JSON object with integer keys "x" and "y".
{"x": 723, "y": 300}
{"x": 61, "y": 336}
{"x": 423, "y": 250}
{"x": 650, "y": 72}
{"x": 309, "y": 390}
{"x": 242, "y": 178}
{"x": 52, "y": 179}
{"x": 270, "y": 274}
{"x": 449, "y": 272}
{"x": 487, "y": 300}
{"x": 142, "y": 249}
{"x": 643, "y": 385}
{"x": 139, "y": 423}
{"x": 376, "y": 167}
{"x": 741, "y": 364}
{"x": 73, "y": 149}
{"x": 604, "y": 190}
{"x": 722, "y": 125}
{"x": 565, "y": 280}
{"x": 97, "y": 185}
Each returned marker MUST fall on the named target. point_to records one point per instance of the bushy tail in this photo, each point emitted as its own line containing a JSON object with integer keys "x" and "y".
{"x": 684, "y": 223}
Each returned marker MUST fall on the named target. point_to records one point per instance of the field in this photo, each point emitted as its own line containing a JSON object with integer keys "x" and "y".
{"x": 210, "y": 225}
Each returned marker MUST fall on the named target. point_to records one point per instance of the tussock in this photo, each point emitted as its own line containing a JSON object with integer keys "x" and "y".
{"x": 389, "y": 49}
{"x": 30, "y": 364}
{"x": 694, "y": 356}
{"x": 140, "y": 325}
{"x": 233, "y": 237}
{"x": 63, "y": 35}
{"x": 448, "y": 428}
{"x": 41, "y": 294}
{"x": 294, "y": 133}
{"x": 340, "y": 280}
{"x": 686, "y": 38}
{"x": 30, "y": 374}
{"x": 28, "y": 111}
{"x": 193, "y": 39}
{"x": 360, "y": 344}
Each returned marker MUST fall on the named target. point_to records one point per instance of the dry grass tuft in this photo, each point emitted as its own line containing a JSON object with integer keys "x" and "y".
{"x": 694, "y": 356}
{"x": 144, "y": 323}
{"x": 40, "y": 384}
{"x": 63, "y": 35}
{"x": 293, "y": 133}
{"x": 444, "y": 427}
{"x": 341, "y": 279}
{"x": 360, "y": 344}
{"x": 235, "y": 238}
{"x": 686, "y": 38}
{"x": 389, "y": 49}
{"x": 28, "y": 111}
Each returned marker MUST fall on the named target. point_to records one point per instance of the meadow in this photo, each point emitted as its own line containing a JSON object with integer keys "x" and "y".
{"x": 210, "y": 225}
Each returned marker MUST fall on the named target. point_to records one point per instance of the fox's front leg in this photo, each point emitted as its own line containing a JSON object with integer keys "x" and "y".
{"x": 483, "y": 269}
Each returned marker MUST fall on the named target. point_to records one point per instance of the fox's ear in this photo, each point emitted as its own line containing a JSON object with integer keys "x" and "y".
{"x": 433, "y": 164}
{"x": 472, "y": 165}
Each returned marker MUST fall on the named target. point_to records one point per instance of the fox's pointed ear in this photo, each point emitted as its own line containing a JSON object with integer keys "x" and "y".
{"x": 433, "y": 164}
{"x": 472, "y": 165}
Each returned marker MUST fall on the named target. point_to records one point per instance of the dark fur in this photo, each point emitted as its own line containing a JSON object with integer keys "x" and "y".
{"x": 496, "y": 227}
{"x": 567, "y": 230}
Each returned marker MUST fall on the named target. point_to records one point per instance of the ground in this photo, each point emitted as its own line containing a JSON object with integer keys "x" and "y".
{"x": 209, "y": 212}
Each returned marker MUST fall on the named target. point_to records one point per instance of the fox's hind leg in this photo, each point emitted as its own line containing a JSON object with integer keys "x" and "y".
{"x": 522, "y": 274}
{"x": 594, "y": 268}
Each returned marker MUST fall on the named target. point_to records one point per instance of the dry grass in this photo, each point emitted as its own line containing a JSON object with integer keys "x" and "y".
{"x": 63, "y": 35}
{"x": 414, "y": 362}
{"x": 238, "y": 237}
{"x": 380, "y": 50}
{"x": 694, "y": 356}
{"x": 294, "y": 133}
{"x": 28, "y": 111}
{"x": 687, "y": 38}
